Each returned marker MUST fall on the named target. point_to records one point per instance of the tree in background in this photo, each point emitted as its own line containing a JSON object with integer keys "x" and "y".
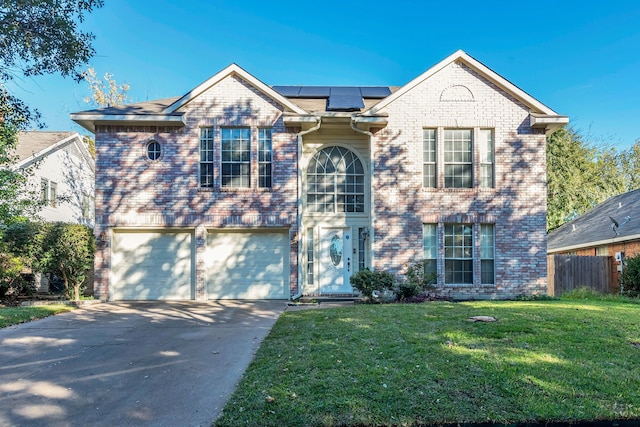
{"x": 36, "y": 37}
{"x": 105, "y": 92}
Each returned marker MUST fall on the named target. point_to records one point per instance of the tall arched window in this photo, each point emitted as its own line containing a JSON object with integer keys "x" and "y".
{"x": 335, "y": 181}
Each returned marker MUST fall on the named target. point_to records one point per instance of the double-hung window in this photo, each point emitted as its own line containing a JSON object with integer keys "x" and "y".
{"x": 264, "y": 158}
{"x": 206, "y": 157}
{"x": 458, "y": 158}
{"x": 236, "y": 157}
{"x": 486, "y": 158}
{"x": 458, "y": 254}
{"x": 430, "y": 248}
{"x": 487, "y": 254}
{"x": 429, "y": 169}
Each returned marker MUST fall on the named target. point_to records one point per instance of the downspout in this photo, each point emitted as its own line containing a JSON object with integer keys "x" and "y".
{"x": 299, "y": 216}
{"x": 371, "y": 192}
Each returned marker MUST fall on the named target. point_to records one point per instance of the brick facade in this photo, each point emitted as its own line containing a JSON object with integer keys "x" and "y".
{"x": 133, "y": 193}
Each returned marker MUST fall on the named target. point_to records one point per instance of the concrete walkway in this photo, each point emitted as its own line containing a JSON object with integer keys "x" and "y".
{"x": 130, "y": 363}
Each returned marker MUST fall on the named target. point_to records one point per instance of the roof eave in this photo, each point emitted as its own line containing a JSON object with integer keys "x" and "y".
{"x": 549, "y": 122}
{"x": 89, "y": 121}
{"x": 595, "y": 243}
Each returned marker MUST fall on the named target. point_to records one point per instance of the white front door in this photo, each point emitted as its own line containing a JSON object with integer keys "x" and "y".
{"x": 336, "y": 260}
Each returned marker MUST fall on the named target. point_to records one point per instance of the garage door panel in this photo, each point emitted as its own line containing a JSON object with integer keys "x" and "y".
{"x": 242, "y": 265}
{"x": 152, "y": 266}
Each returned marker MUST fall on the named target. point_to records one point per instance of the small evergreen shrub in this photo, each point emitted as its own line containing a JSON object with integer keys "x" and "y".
{"x": 367, "y": 281}
{"x": 418, "y": 280}
{"x": 630, "y": 277}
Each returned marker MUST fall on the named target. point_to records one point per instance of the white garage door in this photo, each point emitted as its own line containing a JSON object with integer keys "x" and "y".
{"x": 151, "y": 266}
{"x": 242, "y": 265}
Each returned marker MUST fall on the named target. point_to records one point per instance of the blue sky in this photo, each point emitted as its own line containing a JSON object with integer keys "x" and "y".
{"x": 580, "y": 58}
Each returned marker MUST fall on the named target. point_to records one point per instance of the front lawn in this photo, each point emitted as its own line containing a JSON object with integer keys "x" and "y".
{"x": 13, "y": 315}
{"x": 403, "y": 365}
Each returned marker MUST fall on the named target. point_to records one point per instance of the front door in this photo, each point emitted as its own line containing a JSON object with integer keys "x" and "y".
{"x": 336, "y": 260}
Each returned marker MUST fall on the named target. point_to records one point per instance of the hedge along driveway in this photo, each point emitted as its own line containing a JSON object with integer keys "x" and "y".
{"x": 426, "y": 363}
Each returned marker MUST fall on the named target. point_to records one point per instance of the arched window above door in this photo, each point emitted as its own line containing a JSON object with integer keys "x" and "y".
{"x": 335, "y": 181}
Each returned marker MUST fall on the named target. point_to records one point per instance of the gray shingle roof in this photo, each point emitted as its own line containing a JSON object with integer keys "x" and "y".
{"x": 30, "y": 143}
{"x": 595, "y": 228}
{"x": 149, "y": 107}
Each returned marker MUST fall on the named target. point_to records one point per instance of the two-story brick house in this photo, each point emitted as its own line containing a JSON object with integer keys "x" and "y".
{"x": 242, "y": 190}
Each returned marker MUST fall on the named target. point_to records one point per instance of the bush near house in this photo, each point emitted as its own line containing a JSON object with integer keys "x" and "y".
{"x": 65, "y": 250}
{"x": 630, "y": 277}
{"x": 367, "y": 282}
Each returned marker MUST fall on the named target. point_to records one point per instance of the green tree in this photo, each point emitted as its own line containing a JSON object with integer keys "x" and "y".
{"x": 630, "y": 165}
{"x": 68, "y": 251}
{"x": 36, "y": 37}
{"x": 579, "y": 176}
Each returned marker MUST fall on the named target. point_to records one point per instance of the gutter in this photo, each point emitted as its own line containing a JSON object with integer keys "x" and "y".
{"x": 619, "y": 239}
{"x": 299, "y": 220}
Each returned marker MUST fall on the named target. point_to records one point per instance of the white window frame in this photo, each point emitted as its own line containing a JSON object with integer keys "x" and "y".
{"x": 429, "y": 158}
{"x": 487, "y": 158}
{"x": 455, "y": 156}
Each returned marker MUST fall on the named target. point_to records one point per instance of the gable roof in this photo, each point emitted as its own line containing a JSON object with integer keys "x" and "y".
{"x": 595, "y": 228}
{"x": 35, "y": 145}
{"x": 233, "y": 70}
{"x": 542, "y": 114}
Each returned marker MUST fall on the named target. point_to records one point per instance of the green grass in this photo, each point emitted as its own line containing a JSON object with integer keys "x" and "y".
{"x": 555, "y": 360}
{"x": 13, "y": 315}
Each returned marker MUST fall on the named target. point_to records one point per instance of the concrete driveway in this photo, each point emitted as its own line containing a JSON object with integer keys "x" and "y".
{"x": 130, "y": 363}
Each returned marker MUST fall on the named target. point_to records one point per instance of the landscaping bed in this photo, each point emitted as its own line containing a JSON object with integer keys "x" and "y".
{"x": 425, "y": 364}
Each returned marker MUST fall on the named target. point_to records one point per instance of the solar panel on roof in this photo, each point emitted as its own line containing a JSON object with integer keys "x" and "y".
{"x": 375, "y": 92}
{"x": 287, "y": 90}
{"x": 314, "y": 92}
{"x": 345, "y": 102}
{"x": 345, "y": 90}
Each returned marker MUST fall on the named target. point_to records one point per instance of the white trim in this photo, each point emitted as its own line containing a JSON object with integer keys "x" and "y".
{"x": 233, "y": 69}
{"x": 594, "y": 243}
{"x": 477, "y": 66}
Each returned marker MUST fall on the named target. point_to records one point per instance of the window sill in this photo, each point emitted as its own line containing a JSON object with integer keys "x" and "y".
{"x": 233, "y": 190}
{"x": 458, "y": 190}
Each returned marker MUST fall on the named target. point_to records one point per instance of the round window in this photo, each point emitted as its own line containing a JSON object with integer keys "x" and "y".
{"x": 335, "y": 250}
{"x": 153, "y": 150}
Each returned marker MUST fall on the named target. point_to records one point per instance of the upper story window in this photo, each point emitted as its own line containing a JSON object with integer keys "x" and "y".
{"x": 458, "y": 158}
{"x": 429, "y": 158}
{"x": 486, "y": 158}
{"x": 206, "y": 157}
{"x": 153, "y": 150}
{"x": 264, "y": 158}
{"x": 236, "y": 157}
{"x": 335, "y": 181}
{"x": 48, "y": 192}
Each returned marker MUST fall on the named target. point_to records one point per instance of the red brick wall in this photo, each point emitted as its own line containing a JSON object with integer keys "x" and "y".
{"x": 516, "y": 205}
{"x": 133, "y": 192}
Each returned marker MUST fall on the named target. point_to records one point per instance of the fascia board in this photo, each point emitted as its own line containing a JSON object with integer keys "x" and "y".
{"x": 88, "y": 121}
{"x": 481, "y": 69}
{"x": 605, "y": 242}
{"x": 244, "y": 75}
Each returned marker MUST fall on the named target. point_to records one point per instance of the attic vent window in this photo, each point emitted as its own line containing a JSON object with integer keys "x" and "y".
{"x": 153, "y": 150}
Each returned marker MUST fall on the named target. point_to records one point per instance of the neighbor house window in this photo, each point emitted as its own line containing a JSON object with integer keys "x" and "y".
{"x": 486, "y": 158}
{"x": 458, "y": 163}
{"x": 429, "y": 158}
{"x": 430, "y": 247}
{"x": 310, "y": 254}
{"x": 153, "y": 150}
{"x": 264, "y": 158}
{"x": 44, "y": 191}
{"x": 236, "y": 157}
{"x": 335, "y": 181}
{"x": 487, "y": 254}
{"x": 88, "y": 204}
{"x": 53, "y": 192}
{"x": 206, "y": 157}
{"x": 458, "y": 254}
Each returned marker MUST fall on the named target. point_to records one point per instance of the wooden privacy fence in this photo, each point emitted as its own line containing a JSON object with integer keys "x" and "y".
{"x": 568, "y": 272}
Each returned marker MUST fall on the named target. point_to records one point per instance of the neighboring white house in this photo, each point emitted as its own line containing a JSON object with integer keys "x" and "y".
{"x": 63, "y": 174}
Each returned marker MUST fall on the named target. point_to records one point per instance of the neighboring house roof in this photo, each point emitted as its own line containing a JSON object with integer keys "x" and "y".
{"x": 33, "y": 146}
{"x": 596, "y": 227}
{"x": 309, "y": 103}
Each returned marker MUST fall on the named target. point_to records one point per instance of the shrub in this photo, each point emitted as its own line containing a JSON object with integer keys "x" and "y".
{"x": 367, "y": 281}
{"x": 630, "y": 277}
{"x": 11, "y": 280}
{"x": 418, "y": 281}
